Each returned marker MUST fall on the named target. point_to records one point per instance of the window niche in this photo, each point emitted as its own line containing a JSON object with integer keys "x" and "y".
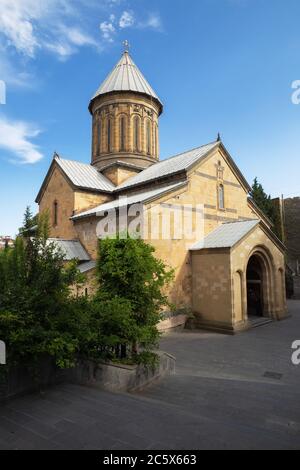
{"x": 109, "y": 135}
{"x": 122, "y": 132}
{"x": 221, "y": 197}
{"x": 136, "y": 133}
{"x": 55, "y": 214}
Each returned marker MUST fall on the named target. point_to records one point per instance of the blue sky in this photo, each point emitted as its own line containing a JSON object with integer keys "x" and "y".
{"x": 218, "y": 65}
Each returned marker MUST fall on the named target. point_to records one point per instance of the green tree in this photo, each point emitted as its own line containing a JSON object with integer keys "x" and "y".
{"x": 38, "y": 314}
{"x": 29, "y": 221}
{"x": 128, "y": 270}
{"x": 265, "y": 203}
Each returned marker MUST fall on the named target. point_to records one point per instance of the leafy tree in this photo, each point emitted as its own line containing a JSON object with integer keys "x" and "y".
{"x": 265, "y": 203}
{"x": 128, "y": 270}
{"x": 38, "y": 315}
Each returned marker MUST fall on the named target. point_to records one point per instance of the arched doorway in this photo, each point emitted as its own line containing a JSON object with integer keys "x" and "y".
{"x": 255, "y": 286}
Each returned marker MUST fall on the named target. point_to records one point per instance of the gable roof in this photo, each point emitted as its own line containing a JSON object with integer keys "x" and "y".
{"x": 84, "y": 175}
{"x": 172, "y": 165}
{"x": 81, "y": 175}
{"x": 88, "y": 177}
{"x": 226, "y": 235}
{"x": 71, "y": 249}
{"x": 126, "y": 76}
{"x": 260, "y": 213}
{"x": 86, "y": 266}
{"x": 142, "y": 197}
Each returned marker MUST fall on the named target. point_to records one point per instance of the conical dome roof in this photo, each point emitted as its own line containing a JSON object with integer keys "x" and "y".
{"x": 126, "y": 77}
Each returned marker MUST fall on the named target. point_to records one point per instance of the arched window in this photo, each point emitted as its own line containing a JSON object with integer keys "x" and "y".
{"x": 136, "y": 133}
{"x": 55, "y": 213}
{"x": 221, "y": 195}
{"x": 109, "y": 134}
{"x": 99, "y": 136}
{"x": 122, "y": 133}
{"x": 148, "y": 137}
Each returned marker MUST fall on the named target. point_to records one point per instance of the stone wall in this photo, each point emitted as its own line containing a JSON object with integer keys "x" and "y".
{"x": 202, "y": 188}
{"x": 259, "y": 242}
{"x": 69, "y": 201}
{"x": 112, "y": 108}
{"x": 220, "y": 283}
{"x": 292, "y": 231}
{"x": 112, "y": 377}
{"x": 60, "y": 191}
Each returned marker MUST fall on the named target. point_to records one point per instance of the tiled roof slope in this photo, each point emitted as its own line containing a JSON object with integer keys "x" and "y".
{"x": 84, "y": 175}
{"x": 141, "y": 197}
{"x": 167, "y": 167}
{"x": 226, "y": 235}
{"x": 126, "y": 76}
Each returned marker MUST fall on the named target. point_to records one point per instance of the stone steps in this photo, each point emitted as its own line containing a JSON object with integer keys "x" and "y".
{"x": 255, "y": 322}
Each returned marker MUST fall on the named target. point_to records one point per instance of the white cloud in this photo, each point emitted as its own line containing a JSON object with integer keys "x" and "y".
{"x": 32, "y": 25}
{"x": 15, "y": 137}
{"x": 153, "y": 22}
{"x": 16, "y": 24}
{"x": 59, "y": 27}
{"x": 107, "y": 29}
{"x": 12, "y": 76}
{"x": 127, "y": 20}
{"x": 78, "y": 37}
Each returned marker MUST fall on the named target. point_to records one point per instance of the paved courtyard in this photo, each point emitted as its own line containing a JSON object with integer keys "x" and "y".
{"x": 239, "y": 392}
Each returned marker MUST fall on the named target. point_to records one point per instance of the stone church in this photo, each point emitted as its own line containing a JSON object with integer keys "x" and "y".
{"x": 234, "y": 276}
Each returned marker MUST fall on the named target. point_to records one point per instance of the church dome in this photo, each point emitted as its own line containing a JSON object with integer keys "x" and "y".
{"x": 126, "y": 77}
{"x": 125, "y": 111}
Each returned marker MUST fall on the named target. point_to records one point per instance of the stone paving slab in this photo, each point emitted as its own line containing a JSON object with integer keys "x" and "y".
{"x": 218, "y": 399}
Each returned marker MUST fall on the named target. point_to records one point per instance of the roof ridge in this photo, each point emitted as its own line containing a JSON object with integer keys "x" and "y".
{"x": 239, "y": 221}
{"x": 69, "y": 160}
{"x": 187, "y": 151}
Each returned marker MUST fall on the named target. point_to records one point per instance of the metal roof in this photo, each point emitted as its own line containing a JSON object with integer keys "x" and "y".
{"x": 226, "y": 235}
{"x": 84, "y": 175}
{"x": 126, "y": 201}
{"x": 126, "y": 77}
{"x": 71, "y": 249}
{"x": 86, "y": 266}
{"x": 167, "y": 167}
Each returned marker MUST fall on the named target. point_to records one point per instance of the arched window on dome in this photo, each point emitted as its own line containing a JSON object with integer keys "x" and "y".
{"x": 221, "y": 196}
{"x": 136, "y": 133}
{"x": 99, "y": 136}
{"x": 122, "y": 131}
{"x": 109, "y": 135}
{"x": 148, "y": 137}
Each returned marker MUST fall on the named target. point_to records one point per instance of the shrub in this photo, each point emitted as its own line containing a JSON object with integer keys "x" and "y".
{"x": 128, "y": 271}
{"x": 38, "y": 315}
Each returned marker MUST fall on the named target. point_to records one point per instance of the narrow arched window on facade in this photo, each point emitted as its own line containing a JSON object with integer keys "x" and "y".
{"x": 109, "y": 135}
{"x": 122, "y": 133}
{"x": 148, "y": 139}
{"x": 55, "y": 213}
{"x": 136, "y": 133}
{"x": 221, "y": 195}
